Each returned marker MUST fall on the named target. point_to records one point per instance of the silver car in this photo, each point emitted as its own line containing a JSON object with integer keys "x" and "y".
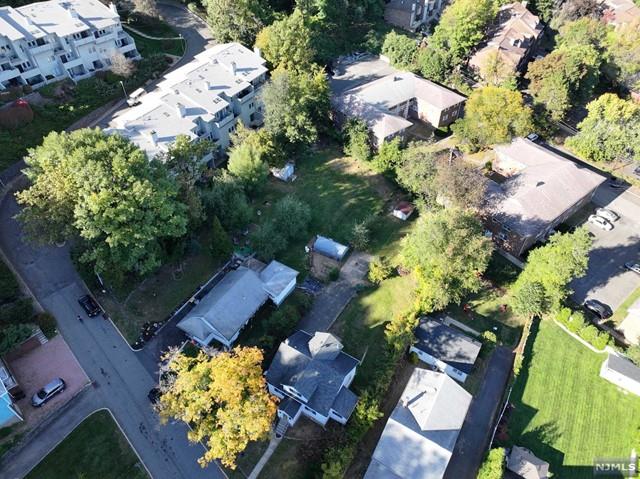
{"x": 607, "y": 214}
{"x": 600, "y": 222}
{"x": 54, "y": 387}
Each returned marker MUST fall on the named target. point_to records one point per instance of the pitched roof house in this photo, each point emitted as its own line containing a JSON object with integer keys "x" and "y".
{"x": 526, "y": 465}
{"x": 619, "y": 12}
{"x": 412, "y": 14}
{"x": 386, "y": 103}
{"x": 514, "y": 37}
{"x": 446, "y": 348}
{"x": 419, "y": 437}
{"x": 222, "y": 313}
{"x": 532, "y": 190}
{"x": 620, "y": 371}
{"x": 311, "y": 375}
{"x": 203, "y": 99}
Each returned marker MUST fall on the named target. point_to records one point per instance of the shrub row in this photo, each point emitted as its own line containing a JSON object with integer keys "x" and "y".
{"x": 574, "y": 321}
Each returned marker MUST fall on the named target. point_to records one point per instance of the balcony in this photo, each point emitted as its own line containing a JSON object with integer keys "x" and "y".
{"x": 9, "y": 74}
{"x": 84, "y": 40}
{"x": 41, "y": 48}
{"x": 246, "y": 94}
{"x": 224, "y": 120}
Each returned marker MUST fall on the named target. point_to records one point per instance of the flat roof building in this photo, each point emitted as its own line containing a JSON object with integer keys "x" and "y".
{"x": 203, "y": 99}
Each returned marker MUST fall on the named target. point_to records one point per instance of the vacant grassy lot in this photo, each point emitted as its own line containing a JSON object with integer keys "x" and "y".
{"x": 340, "y": 192}
{"x": 146, "y": 46}
{"x": 564, "y": 412}
{"x": 95, "y": 449}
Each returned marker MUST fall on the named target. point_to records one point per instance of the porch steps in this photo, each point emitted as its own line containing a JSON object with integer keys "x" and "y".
{"x": 39, "y": 335}
{"x": 281, "y": 427}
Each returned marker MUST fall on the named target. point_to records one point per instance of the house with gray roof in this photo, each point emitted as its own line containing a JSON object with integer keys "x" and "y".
{"x": 531, "y": 191}
{"x": 222, "y": 313}
{"x": 311, "y": 375}
{"x": 620, "y": 371}
{"x": 446, "y": 348}
{"x": 386, "y": 103}
{"x": 419, "y": 437}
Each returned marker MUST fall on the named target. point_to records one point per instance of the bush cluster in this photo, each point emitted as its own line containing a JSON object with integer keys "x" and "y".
{"x": 574, "y": 321}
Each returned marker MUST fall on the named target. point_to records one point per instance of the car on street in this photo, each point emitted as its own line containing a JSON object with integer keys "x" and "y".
{"x": 154, "y": 395}
{"x": 616, "y": 182}
{"x": 607, "y": 214}
{"x": 635, "y": 267}
{"x": 598, "y": 308}
{"x": 600, "y": 222}
{"x": 90, "y": 306}
{"x": 534, "y": 137}
{"x": 54, "y": 387}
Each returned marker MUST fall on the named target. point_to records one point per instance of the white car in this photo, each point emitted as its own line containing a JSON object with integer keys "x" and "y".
{"x": 600, "y": 222}
{"x": 607, "y": 214}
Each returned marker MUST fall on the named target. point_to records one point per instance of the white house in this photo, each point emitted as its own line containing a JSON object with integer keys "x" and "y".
{"x": 445, "y": 348}
{"x": 311, "y": 375}
{"x": 48, "y": 41}
{"x": 203, "y": 99}
{"x": 9, "y": 411}
{"x": 225, "y": 310}
{"x": 421, "y": 433}
{"x": 620, "y": 371}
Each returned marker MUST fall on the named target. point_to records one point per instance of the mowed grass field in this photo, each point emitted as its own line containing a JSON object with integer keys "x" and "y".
{"x": 564, "y": 412}
{"x": 95, "y": 449}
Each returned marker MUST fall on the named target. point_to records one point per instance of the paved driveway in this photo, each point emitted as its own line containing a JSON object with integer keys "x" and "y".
{"x": 473, "y": 441}
{"x": 606, "y": 279}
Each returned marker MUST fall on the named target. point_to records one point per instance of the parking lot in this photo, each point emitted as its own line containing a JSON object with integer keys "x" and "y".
{"x": 607, "y": 280}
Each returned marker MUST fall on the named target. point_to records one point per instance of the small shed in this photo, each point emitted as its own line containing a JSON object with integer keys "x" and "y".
{"x": 329, "y": 248}
{"x": 620, "y": 371}
{"x": 526, "y": 465}
{"x": 325, "y": 255}
{"x": 403, "y": 210}
{"x": 286, "y": 173}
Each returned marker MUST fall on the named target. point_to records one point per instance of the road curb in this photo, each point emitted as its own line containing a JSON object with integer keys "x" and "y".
{"x": 126, "y": 437}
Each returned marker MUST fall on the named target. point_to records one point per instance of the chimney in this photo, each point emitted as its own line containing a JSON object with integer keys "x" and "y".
{"x": 181, "y": 110}
{"x": 207, "y": 85}
{"x": 233, "y": 68}
{"x": 257, "y": 51}
{"x": 113, "y": 8}
{"x": 153, "y": 137}
{"x": 72, "y": 13}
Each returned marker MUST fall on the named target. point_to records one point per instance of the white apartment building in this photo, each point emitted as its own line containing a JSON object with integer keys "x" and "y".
{"x": 203, "y": 99}
{"x": 48, "y": 41}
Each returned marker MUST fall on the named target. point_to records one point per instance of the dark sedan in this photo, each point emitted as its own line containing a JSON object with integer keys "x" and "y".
{"x": 598, "y": 308}
{"x": 90, "y": 306}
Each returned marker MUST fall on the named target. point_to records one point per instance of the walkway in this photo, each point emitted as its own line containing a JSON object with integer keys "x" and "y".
{"x": 473, "y": 441}
{"x": 273, "y": 445}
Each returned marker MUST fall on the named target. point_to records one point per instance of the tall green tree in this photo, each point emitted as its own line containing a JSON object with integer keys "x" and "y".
{"x": 236, "y": 20}
{"x": 461, "y": 27}
{"x": 493, "y": 115}
{"x": 223, "y": 399}
{"x": 554, "y": 265}
{"x": 225, "y": 198}
{"x": 610, "y": 132}
{"x": 400, "y": 49}
{"x": 102, "y": 188}
{"x": 291, "y": 217}
{"x": 623, "y": 47}
{"x": 286, "y": 43}
{"x": 460, "y": 184}
{"x": 296, "y": 104}
{"x": 184, "y": 162}
{"x": 416, "y": 172}
{"x": 247, "y": 164}
{"x": 448, "y": 252}
{"x": 357, "y": 142}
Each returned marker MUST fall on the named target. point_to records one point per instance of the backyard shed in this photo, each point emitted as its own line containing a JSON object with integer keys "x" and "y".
{"x": 526, "y": 465}
{"x": 621, "y": 372}
{"x": 403, "y": 210}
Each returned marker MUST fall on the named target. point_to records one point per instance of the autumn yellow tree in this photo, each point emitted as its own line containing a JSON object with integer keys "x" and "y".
{"x": 223, "y": 398}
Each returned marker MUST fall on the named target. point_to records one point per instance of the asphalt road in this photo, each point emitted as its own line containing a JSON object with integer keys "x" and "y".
{"x": 606, "y": 279}
{"x": 121, "y": 383}
{"x": 473, "y": 441}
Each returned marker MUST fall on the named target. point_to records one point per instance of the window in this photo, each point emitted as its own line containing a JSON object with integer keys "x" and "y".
{"x": 502, "y": 237}
{"x": 506, "y": 228}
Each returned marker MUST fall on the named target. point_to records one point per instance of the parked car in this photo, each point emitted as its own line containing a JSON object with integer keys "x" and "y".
{"x": 598, "y": 308}
{"x": 635, "y": 267}
{"x": 54, "y": 387}
{"x": 608, "y": 214}
{"x": 89, "y": 305}
{"x": 616, "y": 182}
{"x": 600, "y": 222}
{"x": 154, "y": 395}
{"x": 534, "y": 137}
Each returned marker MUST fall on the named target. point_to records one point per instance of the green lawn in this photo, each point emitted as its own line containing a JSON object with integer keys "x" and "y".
{"x": 146, "y": 46}
{"x": 340, "y": 192}
{"x": 564, "y": 412}
{"x": 95, "y": 449}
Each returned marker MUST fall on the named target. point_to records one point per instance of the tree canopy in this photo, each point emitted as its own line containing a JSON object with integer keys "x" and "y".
{"x": 224, "y": 400}
{"x": 416, "y": 172}
{"x": 247, "y": 164}
{"x": 102, "y": 188}
{"x": 400, "y": 49}
{"x": 611, "y": 130}
{"x": 236, "y": 20}
{"x": 493, "y": 115}
{"x": 286, "y": 43}
{"x": 460, "y": 184}
{"x": 448, "y": 252}
{"x": 552, "y": 266}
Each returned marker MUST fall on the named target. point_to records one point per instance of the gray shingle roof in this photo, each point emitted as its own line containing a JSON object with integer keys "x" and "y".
{"x": 277, "y": 277}
{"x": 317, "y": 378}
{"x": 345, "y": 402}
{"x": 623, "y": 366}
{"x": 422, "y": 430}
{"x": 447, "y": 344}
